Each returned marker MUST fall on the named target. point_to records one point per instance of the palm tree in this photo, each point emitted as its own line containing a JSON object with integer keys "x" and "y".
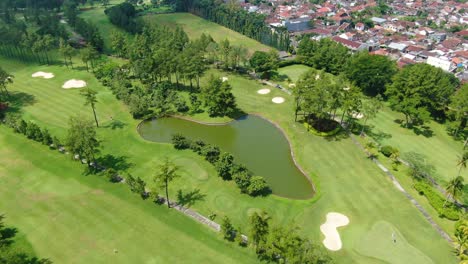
{"x": 5, "y": 79}
{"x": 463, "y": 159}
{"x": 168, "y": 171}
{"x": 90, "y": 99}
{"x": 454, "y": 188}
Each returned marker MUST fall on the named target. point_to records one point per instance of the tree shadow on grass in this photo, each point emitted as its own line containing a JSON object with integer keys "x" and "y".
{"x": 116, "y": 124}
{"x": 118, "y": 163}
{"x": 418, "y": 129}
{"x": 342, "y": 134}
{"x": 18, "y": 100}
{"x": 188, "y": 199}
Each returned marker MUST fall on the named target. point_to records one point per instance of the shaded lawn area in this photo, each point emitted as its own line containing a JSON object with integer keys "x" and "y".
{"x": 347, "y": 182}
{"x": 439, "y": 148}
{"x": 194, "y": 26}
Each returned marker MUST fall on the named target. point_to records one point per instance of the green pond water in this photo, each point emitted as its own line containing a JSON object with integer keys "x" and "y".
{"x": 253, "y": 141}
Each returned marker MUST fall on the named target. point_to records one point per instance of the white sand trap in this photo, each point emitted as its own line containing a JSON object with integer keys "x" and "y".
{"x": 263, "y": 91}
{"x": 224, "y": 79}
{"x": 45, "y": 75}
{"x": 358, "y": 115}
{"x": 332, "y": 239}
{"x": 278, "y": 100}
{"x": 74, "y": 84}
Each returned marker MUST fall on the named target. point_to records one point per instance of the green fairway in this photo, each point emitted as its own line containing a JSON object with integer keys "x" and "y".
{"x": 98, "y": 18}
{"x": 72, "y": 218}
{"x": 347, "y": 182}
{"x": 194, "y": 26}
{"x": 439, "y": 148}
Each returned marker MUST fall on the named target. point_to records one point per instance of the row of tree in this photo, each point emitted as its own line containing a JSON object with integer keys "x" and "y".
{"x": 224, "y": 163}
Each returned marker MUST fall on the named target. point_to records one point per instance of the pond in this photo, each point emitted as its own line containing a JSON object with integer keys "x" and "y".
{"x": 253, "y": 141}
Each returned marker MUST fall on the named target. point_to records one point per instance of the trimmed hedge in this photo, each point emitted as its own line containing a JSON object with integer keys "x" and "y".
{"x": 450, "y": 211}
{"x": 322, "y": 134}
{"x": 387, "y": 150}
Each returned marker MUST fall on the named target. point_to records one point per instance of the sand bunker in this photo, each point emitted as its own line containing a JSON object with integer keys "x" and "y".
{"x": 45, "y": 75}
{"x": 263, "y": 91}
{"x": 292, "y": 85}
{"x": 332, "y": 239}
{"x": 278, "y": 100}
{"x": 74, "y": 84}
{"x": 224, "y": 79}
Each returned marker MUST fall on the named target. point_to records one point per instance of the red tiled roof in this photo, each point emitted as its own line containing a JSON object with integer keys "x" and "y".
{"x": 347, "y": 43}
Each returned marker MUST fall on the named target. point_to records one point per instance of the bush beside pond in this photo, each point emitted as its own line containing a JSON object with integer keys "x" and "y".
{"x": 225, "y": 165}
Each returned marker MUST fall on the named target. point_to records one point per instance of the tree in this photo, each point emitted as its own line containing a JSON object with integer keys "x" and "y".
{"x": 168, "y": 171}
{"x": 371, "y": 73}
{"x": 224, "y": 166}
{"x": 67, "y": 52}
{"x": 459, "y": 107}
{"x": 264, "y": 63}
{"x": 119, "y": 43}
{"x": 5, "y": 79}
{"x": 462, "y": 161}
{"x": 81, "y": 138}
{"x": 325, "y": 54}
{"x": 257, "y": 186}
{"x": 90, "y": 99}
{"x": 370, "y": 108}
{"x": 227, "y": 229}
{"x": 218, "y": 97}
{"x": 137, "y": 185}
{"x": 420, "y": 90}
{"x": 259, "y": 227}
{"x": 89, "y": 55}
{"x": 454, "y": 188}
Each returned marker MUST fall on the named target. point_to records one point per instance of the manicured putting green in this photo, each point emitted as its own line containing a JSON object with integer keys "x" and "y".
{"x": 385, "y": 242}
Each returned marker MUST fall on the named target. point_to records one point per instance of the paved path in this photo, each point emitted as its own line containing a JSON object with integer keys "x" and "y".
{"x": 401, "y": 189}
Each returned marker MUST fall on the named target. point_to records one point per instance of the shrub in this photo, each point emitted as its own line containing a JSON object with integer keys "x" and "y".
{"x": 257, "y": 186}
{"x": 450, "y": 211}
{"x": 46, "y": 137}
{"x": 224, "y": 166}
{"x": 180, "y": 142}
{"x": 387, "y": 150}
{"x": 314, "y": 131}
{"x": 242, "y": 180}
{"x": 227, "y": 229}
{"x": 211, "y": 153}
{"x": 197, "y": 146}
{"x": 113, "y": 175}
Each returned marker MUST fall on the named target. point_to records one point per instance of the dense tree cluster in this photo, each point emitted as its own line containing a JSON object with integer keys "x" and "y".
{"x": 31, "y": 130}
{"x": 319, "y": 95}
{"x": 324, "y": 54}
{"x": 224, "y": 163}
{"x": 264, "y": 63}
{"x": 420, "y": 91}
{"x": 275, "y": 243}
{"x": 123, "y": 15}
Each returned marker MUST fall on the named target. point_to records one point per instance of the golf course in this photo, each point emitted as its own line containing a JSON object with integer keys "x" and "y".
{"x": 326, "y": 186}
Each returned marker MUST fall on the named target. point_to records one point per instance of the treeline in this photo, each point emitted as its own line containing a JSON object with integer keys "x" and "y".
{"x": 86, "y": 29}
{"x": 225, "y": 165}
{"x": 234, "y": 17}
{"x": 421, "y": 92}
{"x": 275, "y": 243}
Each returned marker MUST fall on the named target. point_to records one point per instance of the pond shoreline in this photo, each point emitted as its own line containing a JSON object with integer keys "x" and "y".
{"x": 276, "y": 125}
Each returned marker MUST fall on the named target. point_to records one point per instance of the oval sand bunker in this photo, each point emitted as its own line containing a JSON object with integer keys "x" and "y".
{"x": 278, "y": 100}
{"x": 45, "y": 75}
{"x": 332, "y": 239}
{"x": 263, "y": 91}
{"x": 74, "y": 84}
